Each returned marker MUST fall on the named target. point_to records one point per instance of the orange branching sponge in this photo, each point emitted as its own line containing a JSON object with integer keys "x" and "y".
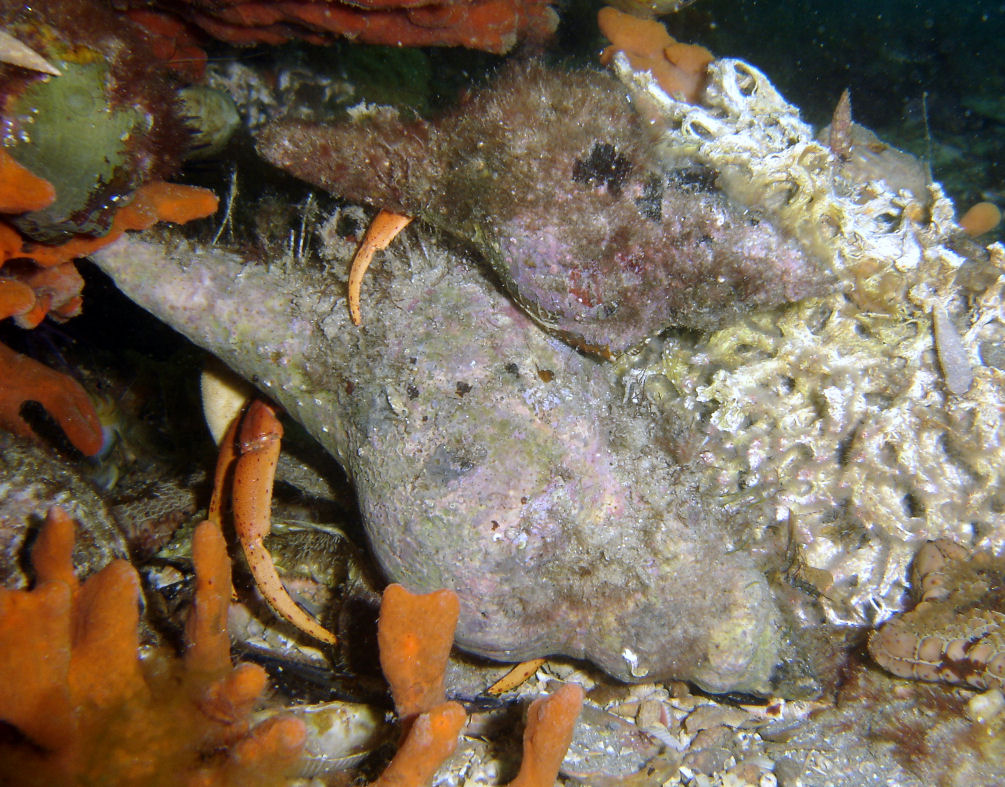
{"x": 680, "y": 69}
{"x": 56, "y": 291}
{"x": 152, "y": 202}
{"x": 25, "y": 379}
{"x": 550, "y": 723}
{"x": 42, "y": 280}
{"x": 20, "y": 190}
{"x": 86, "y": 710}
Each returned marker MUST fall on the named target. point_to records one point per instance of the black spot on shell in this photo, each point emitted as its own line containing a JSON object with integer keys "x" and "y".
{"x": 604, "y": 166}
{"x": 651, "y": 202}
{"x": 694, "y": 178}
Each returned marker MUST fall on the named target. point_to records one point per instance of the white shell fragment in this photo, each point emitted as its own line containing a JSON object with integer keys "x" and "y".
{"x": 224, "y": 395}
{"x": 339, "y": 734}
{"x": 15, "y": 53}
{"x": 952, "y": 354}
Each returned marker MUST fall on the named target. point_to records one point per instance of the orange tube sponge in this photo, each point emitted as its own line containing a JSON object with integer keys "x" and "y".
{"x": 415, "y": 633}
{"x": 680, "y": 69}
{"x": 550, "y": 723}
{"x": 208, "y": 651}
{"x": 430, "y": 740}
{"x": 34, "y": 695}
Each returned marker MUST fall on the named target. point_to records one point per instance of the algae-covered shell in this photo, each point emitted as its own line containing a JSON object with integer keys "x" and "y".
{"x": 538, "y": 497}
{"x": 550, "y": 176}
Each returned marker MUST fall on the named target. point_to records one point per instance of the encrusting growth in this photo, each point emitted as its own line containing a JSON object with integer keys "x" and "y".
{"x": 549, "y": 176}
{"x": 680, "y": 69}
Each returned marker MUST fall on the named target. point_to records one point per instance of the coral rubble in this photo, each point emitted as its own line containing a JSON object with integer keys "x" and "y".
{"x": 862, "y": 422}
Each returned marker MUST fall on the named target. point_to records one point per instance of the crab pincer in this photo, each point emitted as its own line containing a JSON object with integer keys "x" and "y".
{"x": 254, "y": 474}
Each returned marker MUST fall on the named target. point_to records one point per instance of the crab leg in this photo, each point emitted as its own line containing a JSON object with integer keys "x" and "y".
{"x": 382, "y": 230}
{"x": 254, "y": 474}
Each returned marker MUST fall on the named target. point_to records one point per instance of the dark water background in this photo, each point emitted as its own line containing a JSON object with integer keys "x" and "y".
{"x": 901, "y": 60}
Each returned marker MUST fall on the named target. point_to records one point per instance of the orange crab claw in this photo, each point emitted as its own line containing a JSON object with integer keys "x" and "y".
{"x": 382, "y": 230}
{"x": 254, "y": 474}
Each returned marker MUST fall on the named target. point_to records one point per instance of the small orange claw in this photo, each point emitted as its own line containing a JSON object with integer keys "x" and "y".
{"x": 382, "y": 230}
{"x": 254, "y": 474}
{"x": 521, "y": 673}
{"x": 26, "y": 380}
